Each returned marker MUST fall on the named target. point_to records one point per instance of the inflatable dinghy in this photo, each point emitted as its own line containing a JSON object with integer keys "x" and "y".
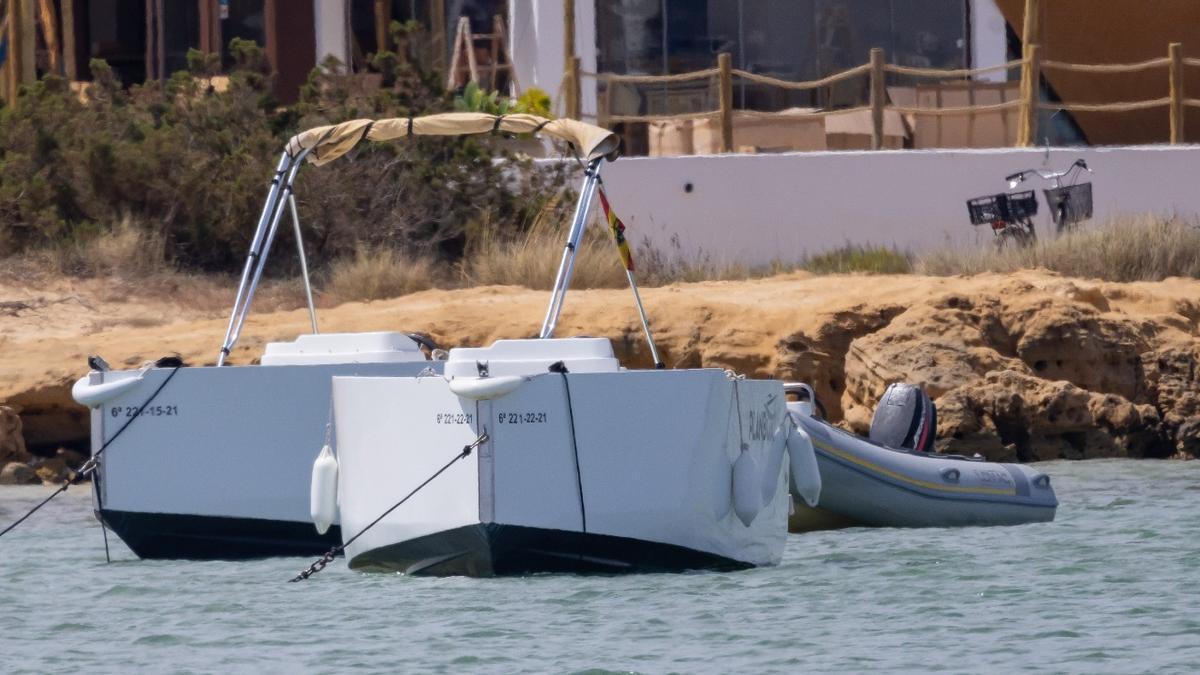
{"x": 894, "y": 479}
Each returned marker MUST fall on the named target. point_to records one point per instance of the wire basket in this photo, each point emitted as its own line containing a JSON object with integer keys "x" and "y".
{"x": 1003, "y": 207}
{"x": 1070, "y": 204}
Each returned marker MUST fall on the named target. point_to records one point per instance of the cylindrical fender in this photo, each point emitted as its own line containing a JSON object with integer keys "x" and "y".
{"x": 323, "y": 493}
{"x": 92, "y": 395}
{"x": 747, "y": 491}
{"x": 806, "y": 477}
{"x": 774, "y": 464}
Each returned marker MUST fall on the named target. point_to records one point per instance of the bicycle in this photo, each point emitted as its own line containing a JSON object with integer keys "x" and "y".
{"x": 1069, "y": 204}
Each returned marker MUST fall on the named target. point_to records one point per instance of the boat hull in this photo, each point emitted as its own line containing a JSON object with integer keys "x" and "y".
{"x": 867, "y": 485}
{"x": 218, "y": 466}
{"x": 486, "y": 550}
{"x": 179, "y": 536}
{"x": 629, "y": 472}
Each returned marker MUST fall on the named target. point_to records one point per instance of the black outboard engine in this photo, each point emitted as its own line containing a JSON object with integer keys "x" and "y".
{"x": 906, "y": 418}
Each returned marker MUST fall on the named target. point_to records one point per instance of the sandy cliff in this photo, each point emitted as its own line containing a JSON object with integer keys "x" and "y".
{"x": 1025, "y": 366}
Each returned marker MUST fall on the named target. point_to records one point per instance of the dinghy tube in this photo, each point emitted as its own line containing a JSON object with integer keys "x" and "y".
{"x": 323, "y": 492}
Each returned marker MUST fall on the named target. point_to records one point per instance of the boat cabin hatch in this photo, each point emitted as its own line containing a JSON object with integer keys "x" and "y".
{"x": 533, "y": 357}
{"x": 330, "y": 348}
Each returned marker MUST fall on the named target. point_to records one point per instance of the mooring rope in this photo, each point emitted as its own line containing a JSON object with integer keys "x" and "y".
{"x": 89, "y": 467}
{"x": 333, "y": 552}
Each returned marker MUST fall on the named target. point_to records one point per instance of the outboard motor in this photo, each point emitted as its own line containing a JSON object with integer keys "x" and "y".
{"x": 906, "y": 418}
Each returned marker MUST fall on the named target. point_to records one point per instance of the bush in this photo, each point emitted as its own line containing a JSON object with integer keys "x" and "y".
{"x": 191, "y": 167}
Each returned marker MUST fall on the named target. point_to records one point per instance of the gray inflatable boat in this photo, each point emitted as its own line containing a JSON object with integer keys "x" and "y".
{"x": 894, "y": 480}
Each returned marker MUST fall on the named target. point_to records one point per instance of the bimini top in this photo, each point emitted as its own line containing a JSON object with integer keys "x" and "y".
{"x": 327, "y": 143}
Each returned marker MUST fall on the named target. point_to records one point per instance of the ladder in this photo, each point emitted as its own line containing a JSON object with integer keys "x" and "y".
{"x": 464, "y": 66}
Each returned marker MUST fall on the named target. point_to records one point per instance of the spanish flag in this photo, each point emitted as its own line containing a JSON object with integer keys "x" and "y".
{"x": 618, "y": 231}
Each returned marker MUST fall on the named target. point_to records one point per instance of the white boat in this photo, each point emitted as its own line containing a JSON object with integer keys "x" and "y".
{"x": 544, "y": 455}
{"x": 212, "y": 462}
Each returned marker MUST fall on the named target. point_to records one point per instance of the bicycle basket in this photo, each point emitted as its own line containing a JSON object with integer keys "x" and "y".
{"x": 1022, "y": 205}
{"x": 989, "y": 209}
{"x": 1002, "y": 207}
{"x": 1070, "y": 204}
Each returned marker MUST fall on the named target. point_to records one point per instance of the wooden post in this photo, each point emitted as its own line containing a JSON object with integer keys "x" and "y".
{"x": 878, "y": 97}
{"x": 148, "y": 10}
{"x": 383, "y": 18}
{"x": 48, "y": 17}
{"x": 28, "y": 42}
{"x": 571, "y": 87}
{"x": 1175, "y": 51}
{"x": 160, "y": 47}
{"x": 1031, "y": 89}
{"x": 1030, "y": 31}
{"x": 568, "y": 30}
{"x": 437, "y": 17}
{"x": 494, "y": 80}
{"x": 725, "y": 93}
{"x": 12, "y": 76}
{"x": 68, "y": 40}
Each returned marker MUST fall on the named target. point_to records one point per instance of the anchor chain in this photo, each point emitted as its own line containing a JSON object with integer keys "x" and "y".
{"x": 332, "y": 553}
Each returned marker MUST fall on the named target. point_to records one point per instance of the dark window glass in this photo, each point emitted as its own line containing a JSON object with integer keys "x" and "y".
{"x": 788, "y": 39}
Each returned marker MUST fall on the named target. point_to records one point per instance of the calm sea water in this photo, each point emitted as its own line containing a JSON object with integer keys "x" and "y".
{"x": 1112, "y": 586}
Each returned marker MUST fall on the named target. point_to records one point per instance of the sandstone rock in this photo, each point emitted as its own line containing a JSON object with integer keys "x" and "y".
{"x": 1024, "y": 365}
{"x": 16, "y": 473}
{"x": 1173, "y": 380}
{"x": 949, "y": 342}
{"x": 52, "y": 470}
{"x": 12, "y": 440}
{"x": 1011, "y": 415}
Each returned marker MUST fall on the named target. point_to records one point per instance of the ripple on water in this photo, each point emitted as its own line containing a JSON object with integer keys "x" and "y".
{"x": 1108, "y": 587}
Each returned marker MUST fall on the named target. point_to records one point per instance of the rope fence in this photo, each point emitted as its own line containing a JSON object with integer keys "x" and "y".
{"x": 876, "y": 70}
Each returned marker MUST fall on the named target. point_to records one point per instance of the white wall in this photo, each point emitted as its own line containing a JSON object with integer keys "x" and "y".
{"x": 537, "y": 39}
{"x": 758, "y": 208}
{"x": 330, "y": 26}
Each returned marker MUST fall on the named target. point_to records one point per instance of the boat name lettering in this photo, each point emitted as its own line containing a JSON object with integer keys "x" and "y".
{"x": 522, "y": 418}
{"x": 761, "y": 425}
{"x": 150, "y": 411}
{"x": 993, "y": 476}
{"x": 455, "y": 418}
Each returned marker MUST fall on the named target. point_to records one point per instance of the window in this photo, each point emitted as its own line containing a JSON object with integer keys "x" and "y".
{"x": 788, "y": 39}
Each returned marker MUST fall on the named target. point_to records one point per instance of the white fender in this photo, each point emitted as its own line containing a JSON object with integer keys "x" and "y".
{"x": 323, "y": 493}
{"x": 774, "y": 463}
{"x": 485, "y": 388}
{"x": 92, "y": 395}
{"x": 806, "y": 477}
{"x": 747, "y": 488}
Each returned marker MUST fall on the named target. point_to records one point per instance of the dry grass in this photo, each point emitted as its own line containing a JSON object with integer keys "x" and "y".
{"x": 531, "y": 259}
{"x": 374, "y": 274}
{"x": 1145, "y": 248}
{"x": 129, "y": 250}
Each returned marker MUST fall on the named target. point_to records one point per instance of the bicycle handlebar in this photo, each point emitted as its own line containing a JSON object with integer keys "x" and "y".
{"x": 1020, "y": 176}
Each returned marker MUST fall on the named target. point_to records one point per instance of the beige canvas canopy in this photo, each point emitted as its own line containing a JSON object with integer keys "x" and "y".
{"x": 330, "y": 142}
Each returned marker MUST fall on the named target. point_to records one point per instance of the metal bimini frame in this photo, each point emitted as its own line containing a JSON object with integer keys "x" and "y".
{"x": 566, "y": 267}
{"x": 280, "y": 197}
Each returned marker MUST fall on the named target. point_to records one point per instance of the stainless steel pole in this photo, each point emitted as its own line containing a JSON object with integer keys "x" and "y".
{"x": 266, "y": 250}
{"x": 312, "y": 308}
{"x": 637, "y": 298}
{"x": 252, "y": 257}
{"x": 566, "y": 267}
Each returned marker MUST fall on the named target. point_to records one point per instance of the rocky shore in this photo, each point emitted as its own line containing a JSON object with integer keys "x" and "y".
{"x": 1026, "y": 366}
